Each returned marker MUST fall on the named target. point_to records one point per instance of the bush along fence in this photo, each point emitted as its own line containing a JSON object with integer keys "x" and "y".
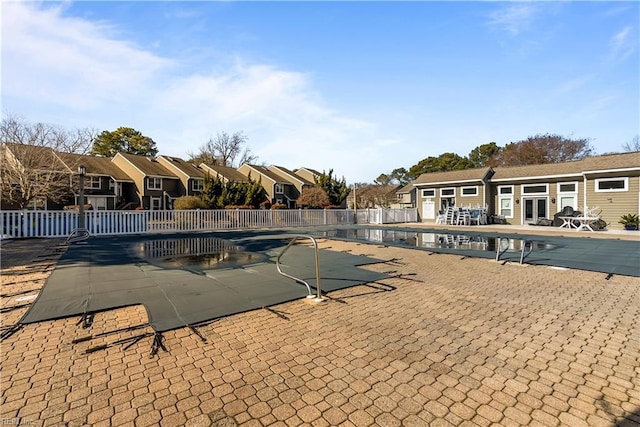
{"x": 22, "y": 224}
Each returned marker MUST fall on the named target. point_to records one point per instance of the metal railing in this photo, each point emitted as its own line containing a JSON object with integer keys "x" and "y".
{"x": 502, "y": 249}
{"x": 318, "y": 297}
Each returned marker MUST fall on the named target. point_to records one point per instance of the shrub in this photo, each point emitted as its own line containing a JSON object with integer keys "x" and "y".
{"x": 189, "y": 202}
{"x": 278, "y": 206}
{"x": 239, "y": 207}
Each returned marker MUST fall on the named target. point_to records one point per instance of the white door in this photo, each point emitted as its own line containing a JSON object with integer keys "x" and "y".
{"x": 156, "y": 203}
{"x": 428, "y": 209}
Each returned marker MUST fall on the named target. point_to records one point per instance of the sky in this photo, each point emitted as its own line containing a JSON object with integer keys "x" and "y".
{"x": 360, "y": 88}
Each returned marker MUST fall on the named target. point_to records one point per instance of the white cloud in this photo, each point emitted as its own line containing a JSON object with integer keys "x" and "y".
{"x": 624, "y": 43}
{"x": 80, "y": 73}
{"x": 514, "y": 18}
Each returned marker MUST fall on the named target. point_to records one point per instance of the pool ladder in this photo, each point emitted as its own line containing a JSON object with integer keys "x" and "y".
{"x": 78, "y": 235}
{"x": 318, "y": 297}
{"x": 523, "y": 255}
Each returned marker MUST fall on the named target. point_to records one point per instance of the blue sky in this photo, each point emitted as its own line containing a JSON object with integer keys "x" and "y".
{"x": 358, "y": 87}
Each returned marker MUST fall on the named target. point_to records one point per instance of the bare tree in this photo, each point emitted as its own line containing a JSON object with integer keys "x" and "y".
{"x": 633, "y": 145}
{"x": 223, "y": 150}
{"x": 32, "y": 166}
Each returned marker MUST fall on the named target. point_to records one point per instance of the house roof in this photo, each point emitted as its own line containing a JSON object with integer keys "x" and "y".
{"x": 226, "y": 172}
{"x": 266, "y": 172}
{"x": 292, "y": 175}
{"x": 476, "y": 174}
{"x": 182, "y": 166}
{"x": 37, "y": 157}
{"x": 606, "y": 162}
{"x": 148, "y": 166}
{"x": 95, "y": 165}
{"x": 576, "y": 167}
{"x": 406, "y": 189}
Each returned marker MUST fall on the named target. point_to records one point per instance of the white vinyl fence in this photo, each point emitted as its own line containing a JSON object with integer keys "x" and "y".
{"x": 17, "y": 224}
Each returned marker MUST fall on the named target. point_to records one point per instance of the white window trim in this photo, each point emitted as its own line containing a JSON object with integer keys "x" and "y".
{"x": 616, "y": 190}
{"x": 561, "y": 194}
{"x": 199, "y": 186}
{"x": 509, "y": 196}
{"x": 500, "y": 187}
{"x": 89, "y": 182}
{"x": 424, "y": 193}
{"x": 152, "y": 179}
{"x": 522, "y": 192}
{"x": 448, "y": 195}
{"x": 575, "y": 183}
{"x": 278, "y": 189}
{"x": 475, "y": 187}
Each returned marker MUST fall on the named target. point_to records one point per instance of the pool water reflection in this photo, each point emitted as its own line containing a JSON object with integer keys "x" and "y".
{"x": 430, "y": 240}
{"x": 201, "y": 253}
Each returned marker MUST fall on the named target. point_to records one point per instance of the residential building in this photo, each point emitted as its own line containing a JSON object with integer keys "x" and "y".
{"x": 524, "y": 194}
{"x": 298, "y": 181}
{"x": 106, "y": 186}
{"x": 308, "y": 174}
{"x": 279, "y": 190}
{"x": 156, "y": 187}
{"x": 191, "y": 176}
{"x": 225, "y": 173}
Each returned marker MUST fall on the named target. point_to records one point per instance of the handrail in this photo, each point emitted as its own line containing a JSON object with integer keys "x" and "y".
{"x": 318, "y": 298}
{"x": 524, "y": 246}
{"x": 78, "y": 235}
{"x": 525, "y": 243}
{"x": 499, "y": 250}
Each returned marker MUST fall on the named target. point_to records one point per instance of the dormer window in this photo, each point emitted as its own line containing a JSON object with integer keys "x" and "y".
{"x": 279, "y": 188}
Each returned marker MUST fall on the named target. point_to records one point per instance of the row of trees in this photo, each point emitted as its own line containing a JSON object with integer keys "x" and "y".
{"x": 537, "y": 149}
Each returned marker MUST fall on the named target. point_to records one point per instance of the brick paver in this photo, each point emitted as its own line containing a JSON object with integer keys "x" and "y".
{"x": 457, "y": 342}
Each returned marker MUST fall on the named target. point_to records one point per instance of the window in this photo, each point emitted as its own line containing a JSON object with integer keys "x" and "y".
{"x": 197, "y": 185}
{"x": 469, "y": 191}
{"x": 447, "y": 192}
{"x": 92, "y": 182}
{"x": 535, "y": 189}
{"x": 429, "y": 193}
{"x": 154, "y": 183}
{"x": 505, "y": 201}
{"x": 612, "y": 184}
{"x": 279, "y": 188}
{"x": 567, "y": 187}
{"x": 567, "y": 195}
{"x": 506, "y": 207}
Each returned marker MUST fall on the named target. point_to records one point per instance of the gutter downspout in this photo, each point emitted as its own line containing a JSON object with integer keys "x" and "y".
{"x": 584, "y": 194}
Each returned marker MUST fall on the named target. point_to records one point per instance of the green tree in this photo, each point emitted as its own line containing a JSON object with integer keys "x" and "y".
{"x": 483, "y": 155}
{"x": 337, "y": 190}
{"x": 212, "y": 191}
{"x": 443, "y": 163}
{"x": 542, "y": 149}
{"x": 123, "y": 140}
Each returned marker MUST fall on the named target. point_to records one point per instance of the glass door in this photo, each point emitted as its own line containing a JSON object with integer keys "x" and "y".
{"x": 534, "y": 208}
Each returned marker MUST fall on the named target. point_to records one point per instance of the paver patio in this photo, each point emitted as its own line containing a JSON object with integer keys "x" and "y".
{"x": 452, "y": 342}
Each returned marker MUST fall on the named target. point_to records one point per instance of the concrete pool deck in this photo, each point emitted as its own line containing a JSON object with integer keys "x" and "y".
{"x": 453, "y": 342}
